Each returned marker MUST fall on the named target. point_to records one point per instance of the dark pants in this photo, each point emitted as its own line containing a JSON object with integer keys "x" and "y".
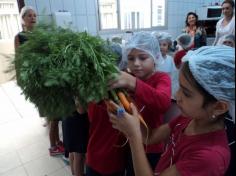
{"x": 91, "y": 172}
{"x": 231, "y": 131}
{"x": 153, "y": 159}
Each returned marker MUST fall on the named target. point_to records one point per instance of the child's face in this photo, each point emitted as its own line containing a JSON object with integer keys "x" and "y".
{"x": 229, "y": 43}
{"x": 141, "y": 64}
{"x": 164, "y": 47}
{"x": 190, "y": 101}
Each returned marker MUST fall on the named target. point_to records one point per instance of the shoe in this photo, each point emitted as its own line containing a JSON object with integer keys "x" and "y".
{"x": 61, "y": 145}
{"x": 53, "y": 151}
{"x": 66, "y": 160}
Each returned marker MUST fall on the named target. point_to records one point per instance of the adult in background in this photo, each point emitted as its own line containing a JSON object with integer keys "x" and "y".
{"x": 195, "y": 30}
{"x": 226, "y": 25}
{"x": 28, "y": 19}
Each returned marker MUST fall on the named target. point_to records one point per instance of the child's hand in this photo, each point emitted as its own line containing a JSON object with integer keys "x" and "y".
{"x": 127, "y": 123}
{"x": 124, "y": 80}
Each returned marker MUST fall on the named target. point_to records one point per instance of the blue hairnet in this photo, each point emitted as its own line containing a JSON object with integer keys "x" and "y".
{"x": 146, "y": 42}
{"x": 213, "y": 67}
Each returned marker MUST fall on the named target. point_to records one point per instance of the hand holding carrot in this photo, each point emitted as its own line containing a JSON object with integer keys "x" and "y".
{"x": 124, "y": 80}
{"x": 129, "y": 124}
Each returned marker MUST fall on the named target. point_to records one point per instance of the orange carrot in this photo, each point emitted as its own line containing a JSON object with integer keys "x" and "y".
{"x": 124, "y": 101}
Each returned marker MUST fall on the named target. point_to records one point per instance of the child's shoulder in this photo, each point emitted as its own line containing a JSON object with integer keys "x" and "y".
{"x": 158, "y": 75}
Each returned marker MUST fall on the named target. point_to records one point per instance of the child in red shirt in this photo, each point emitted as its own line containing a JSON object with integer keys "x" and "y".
{"x": 151, "y": 91}
{"x": 197, "y": 141}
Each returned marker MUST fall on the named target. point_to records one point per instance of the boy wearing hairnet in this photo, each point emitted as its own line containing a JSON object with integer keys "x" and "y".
{"x": 150, "y": 91}
{"x": 184, "y": 43}
{"x": 196, "y": 140}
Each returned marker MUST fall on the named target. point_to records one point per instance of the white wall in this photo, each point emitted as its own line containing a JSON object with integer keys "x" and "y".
{"x": 83, "y": 12}
{"x": 85, "y": 17}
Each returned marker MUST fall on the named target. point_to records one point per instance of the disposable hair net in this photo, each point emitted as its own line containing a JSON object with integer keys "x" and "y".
{"x": 143, "y": 41}
{"x": 185, "y": 40}
{"x": 23, "y": 12}
{"x": 164, "y": 36}
{"x": 213, "y": 67}
{"x": 229, "y": 37}
{"x": 117, "y": 49}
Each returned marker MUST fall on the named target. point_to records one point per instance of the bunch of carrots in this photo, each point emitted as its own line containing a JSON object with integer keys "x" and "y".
{"x": 122, "y": 98}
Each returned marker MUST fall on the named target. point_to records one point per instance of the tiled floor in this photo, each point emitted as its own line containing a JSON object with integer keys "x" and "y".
{"x": 23, "y": 140}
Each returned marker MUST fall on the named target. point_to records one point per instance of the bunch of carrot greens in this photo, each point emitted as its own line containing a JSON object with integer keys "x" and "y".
{"x": 55, "y": 65}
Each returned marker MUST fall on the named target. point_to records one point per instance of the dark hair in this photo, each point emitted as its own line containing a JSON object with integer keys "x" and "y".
{"x": 208, "y": 98}
{"x": 231, "y": 2}
{"x": 196, "y": 16}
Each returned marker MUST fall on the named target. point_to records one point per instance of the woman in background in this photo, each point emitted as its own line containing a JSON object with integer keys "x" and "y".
{"x": 195, "y": 30}
{"x": 28, "y": 19}
{"x": 226, "y": 25}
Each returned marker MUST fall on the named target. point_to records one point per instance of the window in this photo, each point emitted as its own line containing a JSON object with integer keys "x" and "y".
{"x": 9, "y": 19}
{"x": 131, "y": 14}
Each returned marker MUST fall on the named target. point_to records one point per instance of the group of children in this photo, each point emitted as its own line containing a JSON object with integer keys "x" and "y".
{"x": 200, "y": 83}
{"x": 181, "y": 146}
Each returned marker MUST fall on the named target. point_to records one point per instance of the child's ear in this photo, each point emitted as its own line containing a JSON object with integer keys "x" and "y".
{"x": 220, "y": 107}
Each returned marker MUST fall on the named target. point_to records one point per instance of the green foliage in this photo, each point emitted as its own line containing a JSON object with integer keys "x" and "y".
{"x": 55, "y": 65}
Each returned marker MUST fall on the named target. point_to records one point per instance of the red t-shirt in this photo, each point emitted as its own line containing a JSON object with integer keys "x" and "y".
{"x": 180, "y": 54}
{"x": 198, "y": 155}
{"x": 102, "y": 155}
{"x": 178, "y": 57}
{"x": 153, "y": 96}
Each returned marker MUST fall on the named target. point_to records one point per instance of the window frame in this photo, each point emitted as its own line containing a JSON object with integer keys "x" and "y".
{"x": 119, "y": 30}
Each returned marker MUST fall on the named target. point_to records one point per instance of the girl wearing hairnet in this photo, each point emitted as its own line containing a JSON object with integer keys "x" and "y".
{"x": 28, "y": 20}
{"x": 229, "y": 40}
{"x": 196, "y": 140}
{"x": 151, "y": 90}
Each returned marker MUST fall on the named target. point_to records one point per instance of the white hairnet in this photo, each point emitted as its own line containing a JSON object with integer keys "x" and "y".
{"x": 229, "y": 37}
{"x": 143, "y": 41}
{"x": 185, "y": 40}
{"x": 213, "y": 67}
{"x": 164, "y": 36}
{"x": 24, "y": 11}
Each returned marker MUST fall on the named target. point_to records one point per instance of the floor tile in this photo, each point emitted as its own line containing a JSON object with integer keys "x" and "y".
{"x": 61, "y": 172}
{"x": 33, "y": 151}
{"x": 9, "y": 161}
{"x": 42, "y": 166}
{"x": 20, "y": 171}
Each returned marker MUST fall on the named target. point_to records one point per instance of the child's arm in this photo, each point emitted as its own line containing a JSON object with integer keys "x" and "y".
{"x": 130, "y": 126}
{"x": 157, "y": 135}
{"x": 125, "y": 80}
{"x": 16, "y": 42}
{"x": 172, "y": 171}
{"x": 155, "y": 97}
